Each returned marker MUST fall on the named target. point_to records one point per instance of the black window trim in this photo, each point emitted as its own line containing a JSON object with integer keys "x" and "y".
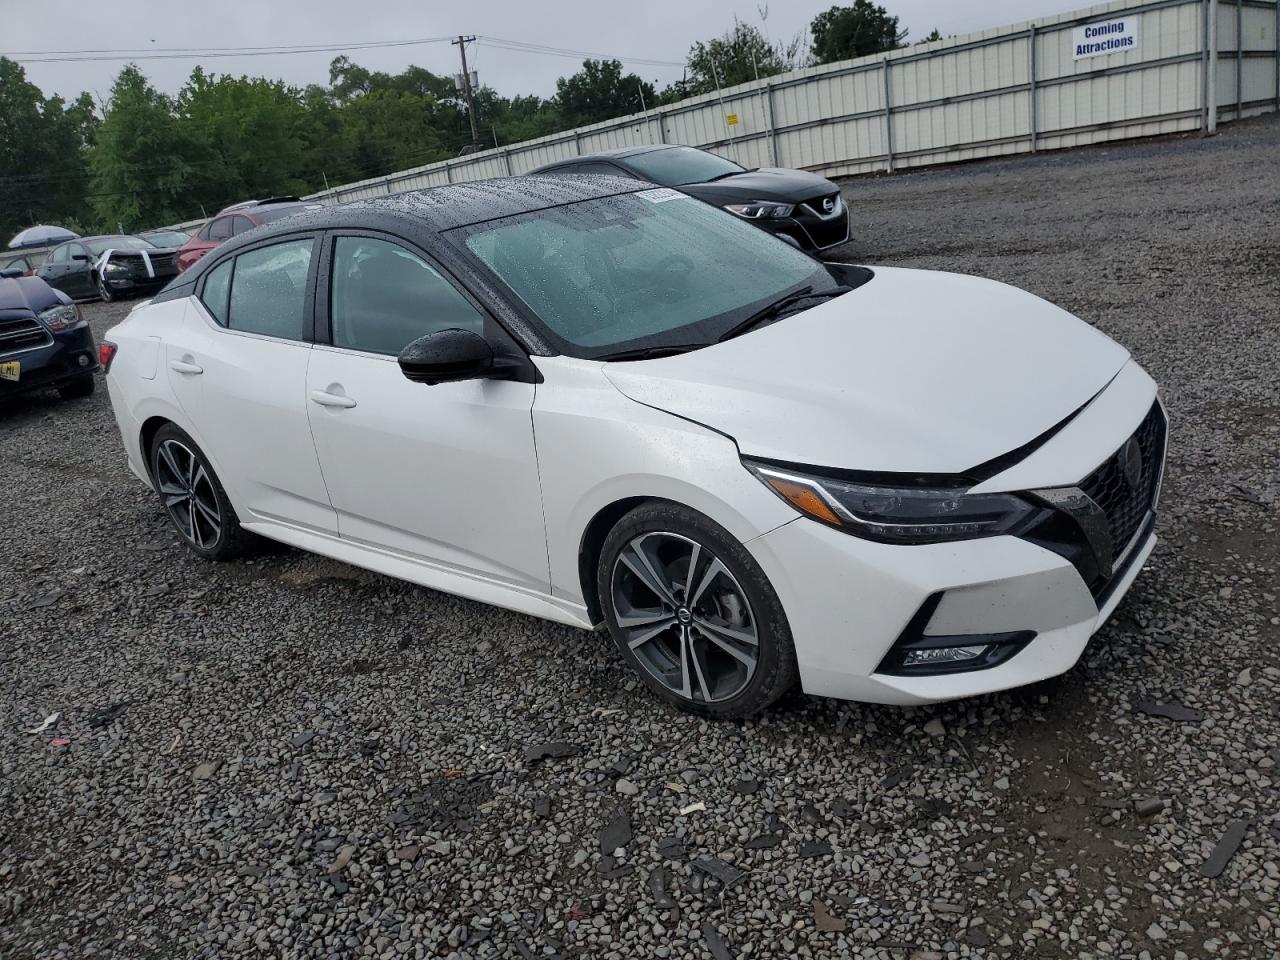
{"x": 507, "y": 345}
{"x": 308, "y": 306}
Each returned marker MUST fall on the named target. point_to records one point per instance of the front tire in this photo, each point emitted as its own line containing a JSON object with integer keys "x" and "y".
{"x": 693, "y": 613}
{"x": 192, "y": 496}
{"x": 104, "y": 291}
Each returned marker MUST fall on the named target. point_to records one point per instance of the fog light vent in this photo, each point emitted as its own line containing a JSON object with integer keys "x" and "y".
{"x": 914, "y": 654}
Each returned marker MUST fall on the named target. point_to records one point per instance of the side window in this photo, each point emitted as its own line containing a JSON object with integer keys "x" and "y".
{"x": 217, "y": 284}
{"x": 382, "y": 297}
{"x": 60, "y": 255}
{"x": 220, "y": 229}
{"x": 203, "y": 232}
{"x": 269, "y": 290}
{"x": 240, "y": 224}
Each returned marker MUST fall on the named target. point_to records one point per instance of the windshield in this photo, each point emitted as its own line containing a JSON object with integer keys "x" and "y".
{"x": 100, "y": 245}
{"x": 648, "y": 269}
{"x": 167, "y": 238}
{"x": 679, "y": 165}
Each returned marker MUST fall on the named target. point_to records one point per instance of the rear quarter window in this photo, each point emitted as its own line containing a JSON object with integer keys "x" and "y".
{"x": 217, "y": 286}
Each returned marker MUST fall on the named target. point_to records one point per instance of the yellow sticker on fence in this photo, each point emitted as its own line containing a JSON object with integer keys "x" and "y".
{"x": 731, "y": 119}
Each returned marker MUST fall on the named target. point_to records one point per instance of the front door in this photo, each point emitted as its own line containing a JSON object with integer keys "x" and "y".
{"x": 446, "y": 473}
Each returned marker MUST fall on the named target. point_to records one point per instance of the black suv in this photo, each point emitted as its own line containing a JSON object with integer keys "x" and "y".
{"x": 44, "y": 342}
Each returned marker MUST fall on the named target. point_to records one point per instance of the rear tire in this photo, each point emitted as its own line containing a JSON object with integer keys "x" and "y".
{"x": 193, "y": 497}
{"x": 693, "y": 614}
{"x": 79, "y": 387}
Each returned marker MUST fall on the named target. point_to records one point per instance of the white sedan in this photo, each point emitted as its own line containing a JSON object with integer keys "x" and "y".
{"x": 602, "y": 404}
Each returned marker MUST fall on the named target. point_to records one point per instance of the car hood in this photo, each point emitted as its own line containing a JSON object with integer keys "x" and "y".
{"x": 24, "y": 295}
{"x": 915, "y": 371}
{"x": 767, "y": 183}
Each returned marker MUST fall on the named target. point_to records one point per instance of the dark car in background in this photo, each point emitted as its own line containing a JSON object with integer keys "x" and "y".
{"x": 23, "y": 264}
{"x": 234, "y": 221}
{"x": 108, "y": 267}
{"x": 44, "y": 341}
{"x": 800, "y": 206}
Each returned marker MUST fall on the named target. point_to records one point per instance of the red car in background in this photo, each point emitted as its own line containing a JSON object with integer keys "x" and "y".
{"x": 235, "y": 220}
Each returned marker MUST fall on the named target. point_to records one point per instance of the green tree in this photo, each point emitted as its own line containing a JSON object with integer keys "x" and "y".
{"x": 249, "y": 134}
{"x": 601, "y": 91}
{"x": 141, "y": 161}
{"x": 858, "y": 30}
{"x": 43, "y": 166}
{"x": 743, "y": 54}
{"x": 933, "y": 35}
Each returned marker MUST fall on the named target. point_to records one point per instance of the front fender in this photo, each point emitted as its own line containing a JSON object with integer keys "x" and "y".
{"x": 597, "y": 448}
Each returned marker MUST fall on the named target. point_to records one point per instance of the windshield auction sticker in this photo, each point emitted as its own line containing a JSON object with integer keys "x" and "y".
{"x": 1100, "y": 39}
{"x": 662, "y": 195}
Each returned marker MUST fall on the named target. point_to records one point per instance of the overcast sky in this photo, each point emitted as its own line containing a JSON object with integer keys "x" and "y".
{"x": 654, "y": 30}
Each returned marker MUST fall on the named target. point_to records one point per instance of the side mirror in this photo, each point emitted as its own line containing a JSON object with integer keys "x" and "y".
{"x": 12, "y": 274}
{"x": 447, "y": 356}
{"x": 80, "y": 256}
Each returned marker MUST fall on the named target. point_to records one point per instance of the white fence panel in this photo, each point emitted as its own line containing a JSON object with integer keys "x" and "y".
{"x": 1013, "y": 89}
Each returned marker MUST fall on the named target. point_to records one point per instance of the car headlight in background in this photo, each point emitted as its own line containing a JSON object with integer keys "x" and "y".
{"x": 60, "y": 317}
{"x": 901, "y": 515}
{"x": 761, "y": 210}
{"x": 114, "y": 267}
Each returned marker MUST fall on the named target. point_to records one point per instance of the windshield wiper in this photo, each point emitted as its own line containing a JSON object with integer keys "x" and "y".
{"x": 731, "y": 173}
{"x": 773, "y": 310}
{"x": 651, "y": 353}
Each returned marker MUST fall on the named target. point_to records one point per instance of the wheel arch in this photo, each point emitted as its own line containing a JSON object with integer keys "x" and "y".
{"x": 592, "y": 542}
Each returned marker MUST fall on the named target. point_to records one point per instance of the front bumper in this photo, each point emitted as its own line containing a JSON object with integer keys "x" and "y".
{"x": 70, "y": 355}
{"x": 848, "y": 601}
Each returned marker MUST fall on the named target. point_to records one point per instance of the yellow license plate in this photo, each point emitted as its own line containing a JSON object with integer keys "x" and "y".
{"x": 10, "y": 370}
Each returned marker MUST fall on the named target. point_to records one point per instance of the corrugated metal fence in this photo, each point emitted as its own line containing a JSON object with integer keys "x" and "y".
{"x": 1009, "y": 90}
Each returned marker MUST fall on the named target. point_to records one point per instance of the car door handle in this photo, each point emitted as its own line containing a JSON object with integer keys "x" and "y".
{"x": 331, "y": 400}
{"x": 184, "y": 366}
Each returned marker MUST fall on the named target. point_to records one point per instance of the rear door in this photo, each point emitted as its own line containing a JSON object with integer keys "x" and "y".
{"x": 54, "y": 270}
{"x": 445, "y": 473}
{"x": 239, "y": 368}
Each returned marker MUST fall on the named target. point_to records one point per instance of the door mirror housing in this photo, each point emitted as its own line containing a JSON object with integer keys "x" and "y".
{"x": 448, "y": 356}
{"x": 11, "y": 273}
{"x": 80, "y": 256}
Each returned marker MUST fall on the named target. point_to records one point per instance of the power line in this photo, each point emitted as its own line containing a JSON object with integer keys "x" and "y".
{"x": 198, "y": 53}
{"x": 521, "y": 46}
{"x": 206, "y": 53}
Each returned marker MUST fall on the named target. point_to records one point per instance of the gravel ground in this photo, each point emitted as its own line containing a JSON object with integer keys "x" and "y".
{"x": 289, "y": 757}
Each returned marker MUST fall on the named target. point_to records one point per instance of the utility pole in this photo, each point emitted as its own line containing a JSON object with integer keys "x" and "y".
{"x": 461, "y": 44}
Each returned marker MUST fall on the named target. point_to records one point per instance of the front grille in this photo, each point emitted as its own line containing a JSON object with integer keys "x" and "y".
{"x": 1126, "y": 485}
{"x": 1096, "y": 525}
{"x": 24, "y": 333}
{"x": 164, "y": 263}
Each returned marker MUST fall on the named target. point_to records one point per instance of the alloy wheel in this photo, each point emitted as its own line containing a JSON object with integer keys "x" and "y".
{"x": 685, "y": 617}
{"x": 188, "y": 494}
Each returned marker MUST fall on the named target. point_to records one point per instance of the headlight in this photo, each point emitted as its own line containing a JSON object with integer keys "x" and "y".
{"x": 897, "y": 514}
{"x": 114, "y": 267}
{"x": 60, "y": 317}
{"x": 761, "y": 210}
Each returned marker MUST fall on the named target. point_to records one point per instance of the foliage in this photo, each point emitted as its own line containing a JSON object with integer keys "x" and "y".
{"x": 600, "y": 91}
{"x": 43, "y": 169}
{"x": 858, "y": 30}
{"x": 741, "y": 55}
